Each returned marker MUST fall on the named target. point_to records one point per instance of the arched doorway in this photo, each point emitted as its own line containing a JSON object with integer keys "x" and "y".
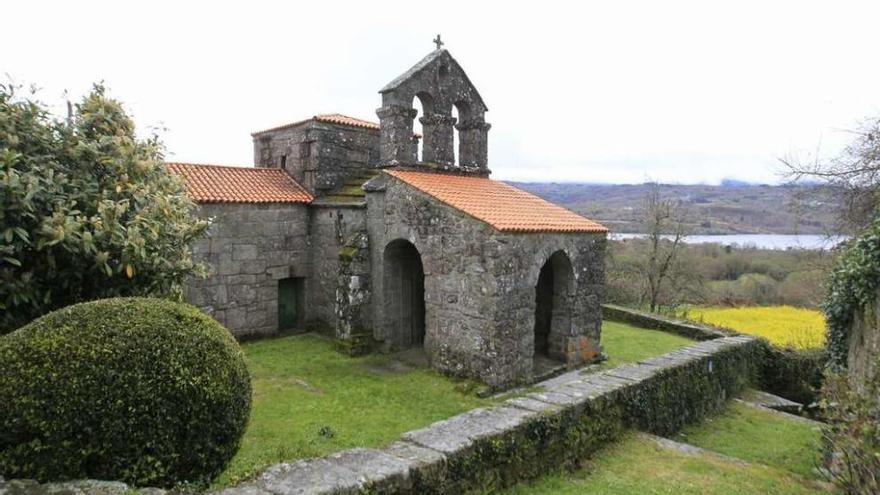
{"x": 404, "y": 291}
{"x": 552, "y": 306}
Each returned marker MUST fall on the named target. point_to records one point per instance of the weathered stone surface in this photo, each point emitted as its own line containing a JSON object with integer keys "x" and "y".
{"x": 249, "y": 248}
{"x": 530, "y": 404}
{"x": 319, "y": 155}
{"x": 77, "y": 487}
{"x": 308, "y": 477}
{"x": 771, "y": 401}
{"x": 440, "y": 84}
{"x": 427, "y": 467}
{"x": 480, "y": 286}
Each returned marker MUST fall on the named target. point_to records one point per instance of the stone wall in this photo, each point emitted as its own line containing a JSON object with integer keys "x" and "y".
{"x": 319, "y": 155}
{"x": 333, "y": 232}
{"x": 864, "y": 345}
{"x": 553, "y": 428}
{"x": 520, "y": 258}
{"x": 459, "y": 290}
{"x": 480, "y": 285}
{"x": 655, "y": 321}
{"x": 249, "y": 248}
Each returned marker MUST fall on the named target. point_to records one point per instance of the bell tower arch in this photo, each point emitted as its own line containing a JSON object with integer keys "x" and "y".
{"x": 440, "y": 84}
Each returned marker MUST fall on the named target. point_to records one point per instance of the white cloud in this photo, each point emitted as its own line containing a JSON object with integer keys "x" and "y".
{"x": 604, "y": 91}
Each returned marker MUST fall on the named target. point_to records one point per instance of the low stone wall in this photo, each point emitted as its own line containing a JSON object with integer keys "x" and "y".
{"x": 524, "y": 437}
{"x": 672, "y": 325}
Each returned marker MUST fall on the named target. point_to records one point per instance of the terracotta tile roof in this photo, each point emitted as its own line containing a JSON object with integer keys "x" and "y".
{"x": 499, "y": 204}
{"x": 331, "y": 118}
{"x": 222, "y": 184}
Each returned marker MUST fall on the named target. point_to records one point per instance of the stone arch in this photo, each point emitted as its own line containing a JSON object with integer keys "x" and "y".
{"x": 462, "y": 113}
{"x": 422, "y": 105}
{"x": 554, "y": 291}
{"x": 440, "y": 76}
{"x": 403, "y": 294}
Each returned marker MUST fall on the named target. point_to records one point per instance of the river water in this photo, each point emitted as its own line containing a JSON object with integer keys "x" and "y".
{"x": 762, "y": 241}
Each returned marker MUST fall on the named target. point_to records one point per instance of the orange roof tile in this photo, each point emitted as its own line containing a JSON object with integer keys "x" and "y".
{"x": 222, "y": 184}
{"x": 331, "y": 118}
{"x": 500, "y": 205}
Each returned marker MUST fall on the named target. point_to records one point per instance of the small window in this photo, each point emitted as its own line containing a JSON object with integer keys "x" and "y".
{"x": 283, "y": 161}
{"x": 290, "y": 303}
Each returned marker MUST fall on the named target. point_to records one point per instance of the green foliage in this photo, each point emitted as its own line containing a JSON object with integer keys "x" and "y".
{"x": 147, "y": 391}
{"x": 853, "y": 432}
{"x": 682, "y": 395}
{"x": 853, "y": 285}
{"x": 712, "y": 274}
{"x": 87, "y": 210}
{"x": 794, "y": 374}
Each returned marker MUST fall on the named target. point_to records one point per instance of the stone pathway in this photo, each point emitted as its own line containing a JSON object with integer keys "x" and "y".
{"x": 687, "y": 448}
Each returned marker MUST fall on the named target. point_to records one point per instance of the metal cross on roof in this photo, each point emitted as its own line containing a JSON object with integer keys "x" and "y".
{"x": 438, "y": 42}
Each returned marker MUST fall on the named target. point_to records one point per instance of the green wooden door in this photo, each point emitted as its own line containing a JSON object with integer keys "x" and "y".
{"x": 288, "y": 307}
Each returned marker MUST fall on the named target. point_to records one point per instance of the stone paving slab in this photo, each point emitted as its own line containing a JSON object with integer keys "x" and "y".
{"x": 633, "y": 372}
{"x": 459, "y": 432}
{"x": 688, "y": 448}
{"x": 308, "y": 477}
{"x": 530, "y": 404}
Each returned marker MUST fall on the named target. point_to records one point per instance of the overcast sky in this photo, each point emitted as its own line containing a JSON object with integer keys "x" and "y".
{"x": 583, "y": 91}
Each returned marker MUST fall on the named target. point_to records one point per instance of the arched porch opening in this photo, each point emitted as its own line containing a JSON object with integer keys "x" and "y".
{"x": 553, "y": 295}
{"x": 404, "y": 295}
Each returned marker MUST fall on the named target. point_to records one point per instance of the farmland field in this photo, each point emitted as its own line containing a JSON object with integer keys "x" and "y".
{"x": 783, "y": 326}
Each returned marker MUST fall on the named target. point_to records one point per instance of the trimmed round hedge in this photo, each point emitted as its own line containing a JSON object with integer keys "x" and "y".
{"x": 146, "y": 391}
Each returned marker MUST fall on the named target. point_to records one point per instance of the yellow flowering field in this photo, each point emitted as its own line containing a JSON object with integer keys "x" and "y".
{"x": 784, "y": 326}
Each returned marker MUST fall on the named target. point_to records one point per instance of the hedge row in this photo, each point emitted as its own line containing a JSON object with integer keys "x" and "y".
{"x": 661, "y": 404}
{"x": 793, "y": 374}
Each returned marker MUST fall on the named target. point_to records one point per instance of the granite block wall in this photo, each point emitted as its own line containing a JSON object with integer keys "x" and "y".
{"x": 331, "y": 231}
{"x": 319, "y": 155}
{"x": 249, "y": 248}
{"x": 480, "y": 285}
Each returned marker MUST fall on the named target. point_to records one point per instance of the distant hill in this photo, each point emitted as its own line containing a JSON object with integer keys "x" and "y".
{"x": 734, "y": 207}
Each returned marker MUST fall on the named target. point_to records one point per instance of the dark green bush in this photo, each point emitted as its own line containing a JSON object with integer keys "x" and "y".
{"x": 794, "y": 374}
{"x": 146, "y": 391}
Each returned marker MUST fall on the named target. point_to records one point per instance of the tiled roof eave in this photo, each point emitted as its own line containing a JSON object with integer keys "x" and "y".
{"x": 482, "y": 205}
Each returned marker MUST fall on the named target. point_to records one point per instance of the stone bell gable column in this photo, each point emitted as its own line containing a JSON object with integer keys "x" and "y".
{"x": 438, "y": 145}
{"x": 396, "y": 134}
{"x": 473, "y": 144}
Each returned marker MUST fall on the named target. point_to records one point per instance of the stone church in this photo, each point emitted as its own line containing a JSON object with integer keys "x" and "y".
{"x": 344, "y": 225}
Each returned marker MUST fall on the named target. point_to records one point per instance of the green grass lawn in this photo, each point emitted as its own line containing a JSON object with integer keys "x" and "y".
{"x": 310, "y": 400}
{"x": 780, "y": 452}
{"x": 758, "y": 436}
{"x": 635, "y": 466}
{"x": 627, "y": 344}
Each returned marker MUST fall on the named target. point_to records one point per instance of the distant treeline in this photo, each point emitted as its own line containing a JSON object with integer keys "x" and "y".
{"x": 727, "y": 209}
{"x": 711, "y": 274}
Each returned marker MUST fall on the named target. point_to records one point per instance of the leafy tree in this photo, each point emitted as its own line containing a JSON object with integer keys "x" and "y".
{"x": 87, "y": 210}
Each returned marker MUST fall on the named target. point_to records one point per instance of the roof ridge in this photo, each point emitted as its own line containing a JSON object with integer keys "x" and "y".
{"x": 324, "y": 117}
{"x": 217, "y": 165}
